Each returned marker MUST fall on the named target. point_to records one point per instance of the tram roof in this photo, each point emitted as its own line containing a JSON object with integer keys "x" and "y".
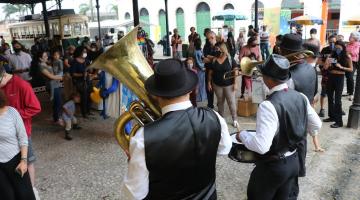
{"x": 21, "y": 1}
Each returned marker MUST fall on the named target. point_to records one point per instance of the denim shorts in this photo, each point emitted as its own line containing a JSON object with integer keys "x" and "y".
{"x": 31, "y": 155}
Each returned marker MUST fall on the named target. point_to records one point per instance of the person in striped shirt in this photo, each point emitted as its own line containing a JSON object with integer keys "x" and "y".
{"x": 14, "y": 178}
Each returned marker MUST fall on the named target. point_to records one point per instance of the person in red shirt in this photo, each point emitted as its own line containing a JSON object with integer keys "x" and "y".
{"x": 22, "y": 97}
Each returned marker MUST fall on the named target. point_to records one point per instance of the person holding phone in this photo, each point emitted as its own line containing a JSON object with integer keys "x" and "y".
{"x": 338, "y": 63}
{"x": 14, "y": 178}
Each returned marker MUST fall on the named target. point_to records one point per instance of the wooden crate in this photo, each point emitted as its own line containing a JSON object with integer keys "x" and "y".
{"x": 246, "y": 108}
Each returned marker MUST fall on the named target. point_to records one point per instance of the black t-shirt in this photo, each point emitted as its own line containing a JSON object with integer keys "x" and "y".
{"x": 208, "y": 50}
{"x": 218, "y": 73}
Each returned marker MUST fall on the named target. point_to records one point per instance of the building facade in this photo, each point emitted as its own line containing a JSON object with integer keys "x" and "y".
{"x": 198, "y": 13}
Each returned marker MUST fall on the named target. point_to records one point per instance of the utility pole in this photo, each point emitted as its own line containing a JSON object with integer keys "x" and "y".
{"x": 46, "y": 20}
{"x": 32, "y": 8}
{"x": 136, "y": 12}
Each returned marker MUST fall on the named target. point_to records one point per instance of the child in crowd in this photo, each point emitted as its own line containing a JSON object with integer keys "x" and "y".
{"x": 190, "y": 65}
{"x": 57, "y": 69}
{"x": 68, "y": 115}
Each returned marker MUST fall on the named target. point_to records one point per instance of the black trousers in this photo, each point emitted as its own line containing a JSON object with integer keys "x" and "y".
{"x": 334, "y": 87}
{"x": 273, "y": 180}
{"x": 12, "y": 186}
{"x": 209, "y": 94}
{"x": 350, "y": 79}
{"x": 85, "y": 103}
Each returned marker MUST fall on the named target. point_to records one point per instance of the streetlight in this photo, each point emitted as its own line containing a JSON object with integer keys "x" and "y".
{"x": 354, "y": 112}
{"x": 98, "y": 17}
{"x": 256, "y": 14}
{"x": 168, "y": 53}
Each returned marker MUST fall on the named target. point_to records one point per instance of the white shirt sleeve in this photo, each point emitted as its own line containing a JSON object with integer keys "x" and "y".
{"x": 225, "y": 143}
{"x": 267, "y": 124}
{"x": 314, "y": 122}
{"x": 136, "y": 181}
{"x": 291, "y": 84}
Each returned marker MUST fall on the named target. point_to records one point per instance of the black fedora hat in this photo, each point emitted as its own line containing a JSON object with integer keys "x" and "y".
{"x": 276, "y": 67}
{"x": 292, "y": 42}
{"x": 171, "y": 79}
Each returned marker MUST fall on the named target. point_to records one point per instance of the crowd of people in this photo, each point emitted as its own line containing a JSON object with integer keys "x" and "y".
{"x": 283, "y": 120}
{"x": 69, "y": 81}
{"x": 66, "y": 77}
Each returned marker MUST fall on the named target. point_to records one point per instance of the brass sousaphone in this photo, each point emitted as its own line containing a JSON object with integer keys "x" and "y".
{"x": 126, "y": 63}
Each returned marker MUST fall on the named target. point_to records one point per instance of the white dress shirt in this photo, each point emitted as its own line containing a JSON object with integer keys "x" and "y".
{"x": 21, "y": 60}
{"x": 136, "y": 181}
{"x": 267, "y": 125}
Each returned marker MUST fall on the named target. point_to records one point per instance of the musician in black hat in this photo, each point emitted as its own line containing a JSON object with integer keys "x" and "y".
{"x": 304, "y": 80}
{"x": 174, "y": 157}
{"x": 282, "y": 122}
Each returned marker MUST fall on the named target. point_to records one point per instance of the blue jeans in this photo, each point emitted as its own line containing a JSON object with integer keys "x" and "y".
{"x": 264, "y": 50}
{"x": 57, "y": 104}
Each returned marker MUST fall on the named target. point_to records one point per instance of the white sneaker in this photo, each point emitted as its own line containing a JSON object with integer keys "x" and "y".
{"x": 36, "y": 193}
{"x": 236, "y": 124}
{"x": 351, "y": 98}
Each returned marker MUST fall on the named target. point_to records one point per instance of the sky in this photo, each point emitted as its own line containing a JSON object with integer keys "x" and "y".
{"x": 70, "y": 4}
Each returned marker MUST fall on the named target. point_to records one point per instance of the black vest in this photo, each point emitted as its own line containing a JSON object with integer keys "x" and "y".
{"x": 180, "y": 154}
{"x": 291, "y": 108}
{"x": 304, "y": 78}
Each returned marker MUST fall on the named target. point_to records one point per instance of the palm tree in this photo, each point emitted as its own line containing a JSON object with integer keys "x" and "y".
{"x": 9, "y": 9}
{"x": 114, "y": 8}
{"x": 84, "y": 8}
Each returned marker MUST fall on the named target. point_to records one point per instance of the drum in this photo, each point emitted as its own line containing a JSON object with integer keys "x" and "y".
{"x": 240, "y": 153}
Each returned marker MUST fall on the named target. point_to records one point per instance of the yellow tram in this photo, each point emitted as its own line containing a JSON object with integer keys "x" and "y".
{"x": 64, "y": 26}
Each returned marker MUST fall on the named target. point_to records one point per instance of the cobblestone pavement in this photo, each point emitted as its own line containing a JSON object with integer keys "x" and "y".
{"x": 91, "y": 166}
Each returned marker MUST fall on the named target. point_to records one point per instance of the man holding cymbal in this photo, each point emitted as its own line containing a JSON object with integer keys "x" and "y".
{"x": 283, "y": 120}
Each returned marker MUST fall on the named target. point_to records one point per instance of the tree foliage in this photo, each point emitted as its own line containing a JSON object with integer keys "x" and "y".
{"x": 84, "y": 8}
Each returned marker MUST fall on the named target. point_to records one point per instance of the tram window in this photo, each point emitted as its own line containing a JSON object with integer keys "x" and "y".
{"x": 77, "y": 29}
{"x": 55, "y": 28}
{"x": 67, "y": 30}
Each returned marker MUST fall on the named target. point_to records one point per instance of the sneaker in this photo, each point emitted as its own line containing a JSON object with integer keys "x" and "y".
{"x": 76, "y": 127}
{"x": 36, "y": 193}
{"x": 336, "y": 125}
{"x": 236, "y": 124}
{"x": 328, "y": 120}
{"x": 322, "y": 113}
{"x": 343, "y": 113}
{"x": 67, "y": 135}
{"x": 242, "y": 96}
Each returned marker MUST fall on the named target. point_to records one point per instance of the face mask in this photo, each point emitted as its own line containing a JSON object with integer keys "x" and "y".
{"x": 190, "y": 66}
{"x": 217, "y": 54}
{"x": 313, "y": 36}
{"x": 332, "y": 46}
{"x": 93, "y": 49}
{"x": 84, "y": 55}
{"x": 213, "y": 42}
{"x": 338, "y": 51}
{"x": 17, "y": 50}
